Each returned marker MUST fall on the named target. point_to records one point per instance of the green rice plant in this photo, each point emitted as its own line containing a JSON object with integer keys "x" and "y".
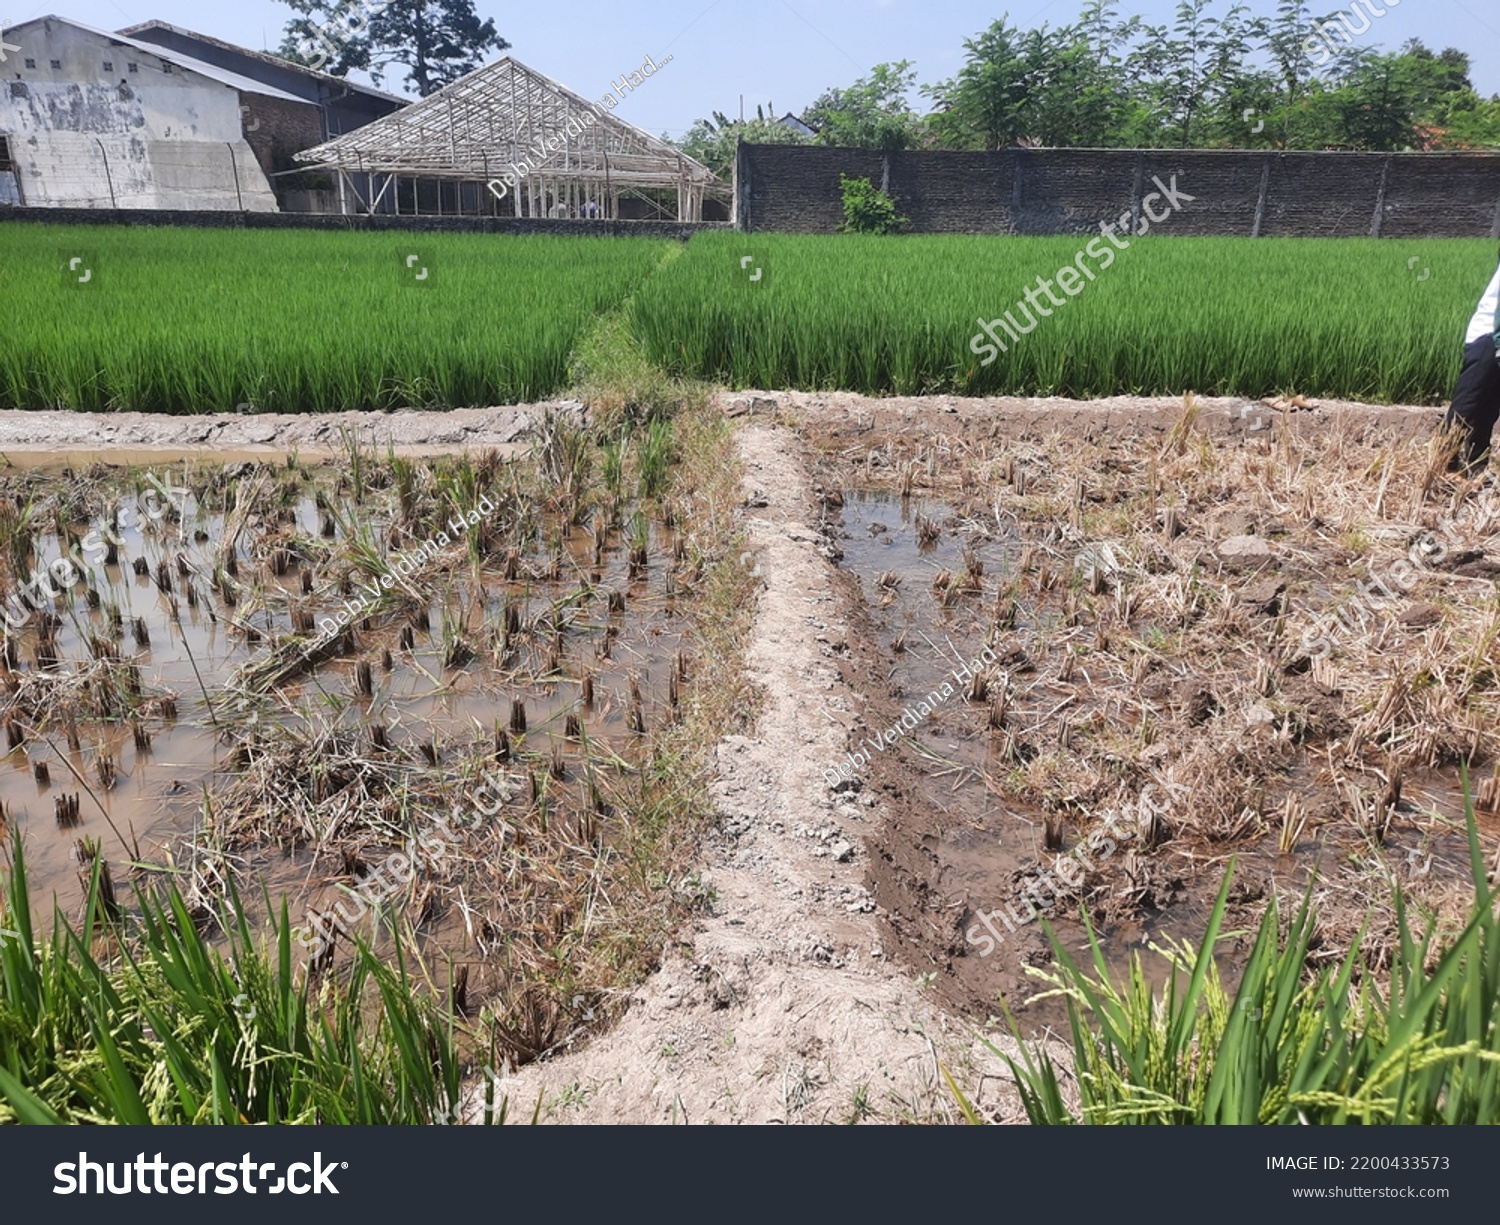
{"x": 1291, "y": 1046}
{"x": 565, "y": 457}
{"x": 404, "y": 473}
{"x": 17, "y": 540}
{"x": 654, "y": 458}
{"x": 1218, "y": 316}
{"x": 142, "y": 1020}
{"x": 356, "y": 461}
{"x": 188, "y": 320}
{"x": 639, "y": 534}
{"x": 612, "y": 464}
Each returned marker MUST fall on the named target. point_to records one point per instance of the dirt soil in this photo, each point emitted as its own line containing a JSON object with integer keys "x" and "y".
{"x": 29, "y": 438}
{"x": 813, "y": 990}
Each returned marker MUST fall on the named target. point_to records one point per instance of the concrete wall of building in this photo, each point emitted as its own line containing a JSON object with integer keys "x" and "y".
{"x": 346, "y": 108}
{"x": 1070, "y": 191}
{"x": 93, "y": 132}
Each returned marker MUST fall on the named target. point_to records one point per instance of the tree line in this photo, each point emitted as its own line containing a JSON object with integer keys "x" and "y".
{"x": 1214, "y": 77}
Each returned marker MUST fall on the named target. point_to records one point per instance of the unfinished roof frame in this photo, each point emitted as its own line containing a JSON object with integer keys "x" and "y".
{"x": 497, "y": 121}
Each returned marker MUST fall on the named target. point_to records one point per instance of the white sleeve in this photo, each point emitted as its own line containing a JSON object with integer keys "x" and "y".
{"x": 1486, "y": 320}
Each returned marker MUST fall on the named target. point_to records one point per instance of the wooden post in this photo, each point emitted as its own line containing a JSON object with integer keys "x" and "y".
{"x": 1260, "y": 201}
{"x": 1016, "y": 184}
{"x": 740, "y": 207}
{"x": 233, "y": 165}
{"x": 1385, "y": 174}
{"x": 1135, "y": 193}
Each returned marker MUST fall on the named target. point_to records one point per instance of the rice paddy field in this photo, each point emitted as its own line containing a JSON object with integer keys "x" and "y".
{"x": 270, "y": 688}
{"x": 183, "y": 321}
{"x": 1218, "y": 316}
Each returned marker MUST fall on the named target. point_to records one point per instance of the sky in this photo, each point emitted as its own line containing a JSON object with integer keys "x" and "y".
{"x": 784, "y": 52}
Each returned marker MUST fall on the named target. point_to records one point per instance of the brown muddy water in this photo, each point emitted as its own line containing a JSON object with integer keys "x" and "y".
{"x": 149, "y": 759}
{"x": 963, "y": 768}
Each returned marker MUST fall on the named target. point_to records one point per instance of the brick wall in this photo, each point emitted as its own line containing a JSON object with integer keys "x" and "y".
{"x": 1070, "y": 191}
{"x": 276, "y": 129}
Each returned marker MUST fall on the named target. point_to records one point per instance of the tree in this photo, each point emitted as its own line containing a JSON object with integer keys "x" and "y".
{"x": 871, "y": 114}
{"x": 1467, "y": 121}
{"x": 712, "y": 141}
{"x": 1191, "y": 70}
{"x": 1064, "y": 87}
{"x": 1404, "y": 100}
{"x": 986, "y": 105}
{"x": 436, "y": 41}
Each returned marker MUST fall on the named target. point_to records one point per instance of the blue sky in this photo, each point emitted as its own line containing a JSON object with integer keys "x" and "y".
{"x": 781, "y": 51}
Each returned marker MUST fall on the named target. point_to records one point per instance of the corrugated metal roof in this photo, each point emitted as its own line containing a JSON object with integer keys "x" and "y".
{"x": 186, "y": 62}
{"x": 273, "y": 60}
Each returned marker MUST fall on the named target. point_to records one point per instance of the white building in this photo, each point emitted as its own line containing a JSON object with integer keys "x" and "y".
{"x": 90, "y": 119}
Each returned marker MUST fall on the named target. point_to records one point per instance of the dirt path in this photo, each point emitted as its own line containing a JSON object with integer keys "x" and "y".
{"x": 26, "y": 436}
{"x": 782, "y": 1005}
{"x": 30, "y": 438}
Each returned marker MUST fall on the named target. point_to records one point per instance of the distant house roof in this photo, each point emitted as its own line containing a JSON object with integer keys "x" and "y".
{"x": 231, "y": 79}
{"x": 274, "y": 61}
{"x": 789, "y": 120}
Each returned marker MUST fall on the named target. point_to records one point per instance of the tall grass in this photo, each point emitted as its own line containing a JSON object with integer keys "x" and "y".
{"x": 142, "y": 1020}
{"x": 1291, "y": 1046}
{"x": 183, "y": 320}
{"x": 1226, "y": 316}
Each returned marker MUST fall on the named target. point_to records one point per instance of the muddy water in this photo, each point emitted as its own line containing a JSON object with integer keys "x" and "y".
{"x": 154, "y": 804}
{"x": 968, "y": 791}
{"x": 990, "y": 844}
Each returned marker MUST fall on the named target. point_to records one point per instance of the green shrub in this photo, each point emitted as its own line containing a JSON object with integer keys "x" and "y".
{"x": 867, "y": 209}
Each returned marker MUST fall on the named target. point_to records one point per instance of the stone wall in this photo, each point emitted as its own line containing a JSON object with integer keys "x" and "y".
{"x": 795, "y": 188}
{"x": 681, "y": 230}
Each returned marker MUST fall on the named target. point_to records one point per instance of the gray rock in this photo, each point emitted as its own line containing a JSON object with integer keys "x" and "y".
{"x": 1249, "y": 547}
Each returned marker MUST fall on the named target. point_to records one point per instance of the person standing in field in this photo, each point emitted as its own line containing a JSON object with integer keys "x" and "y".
{"x": 1476, "y": 398}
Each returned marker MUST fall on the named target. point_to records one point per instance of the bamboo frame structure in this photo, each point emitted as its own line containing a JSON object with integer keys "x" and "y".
{"x": 568, "y": 157}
